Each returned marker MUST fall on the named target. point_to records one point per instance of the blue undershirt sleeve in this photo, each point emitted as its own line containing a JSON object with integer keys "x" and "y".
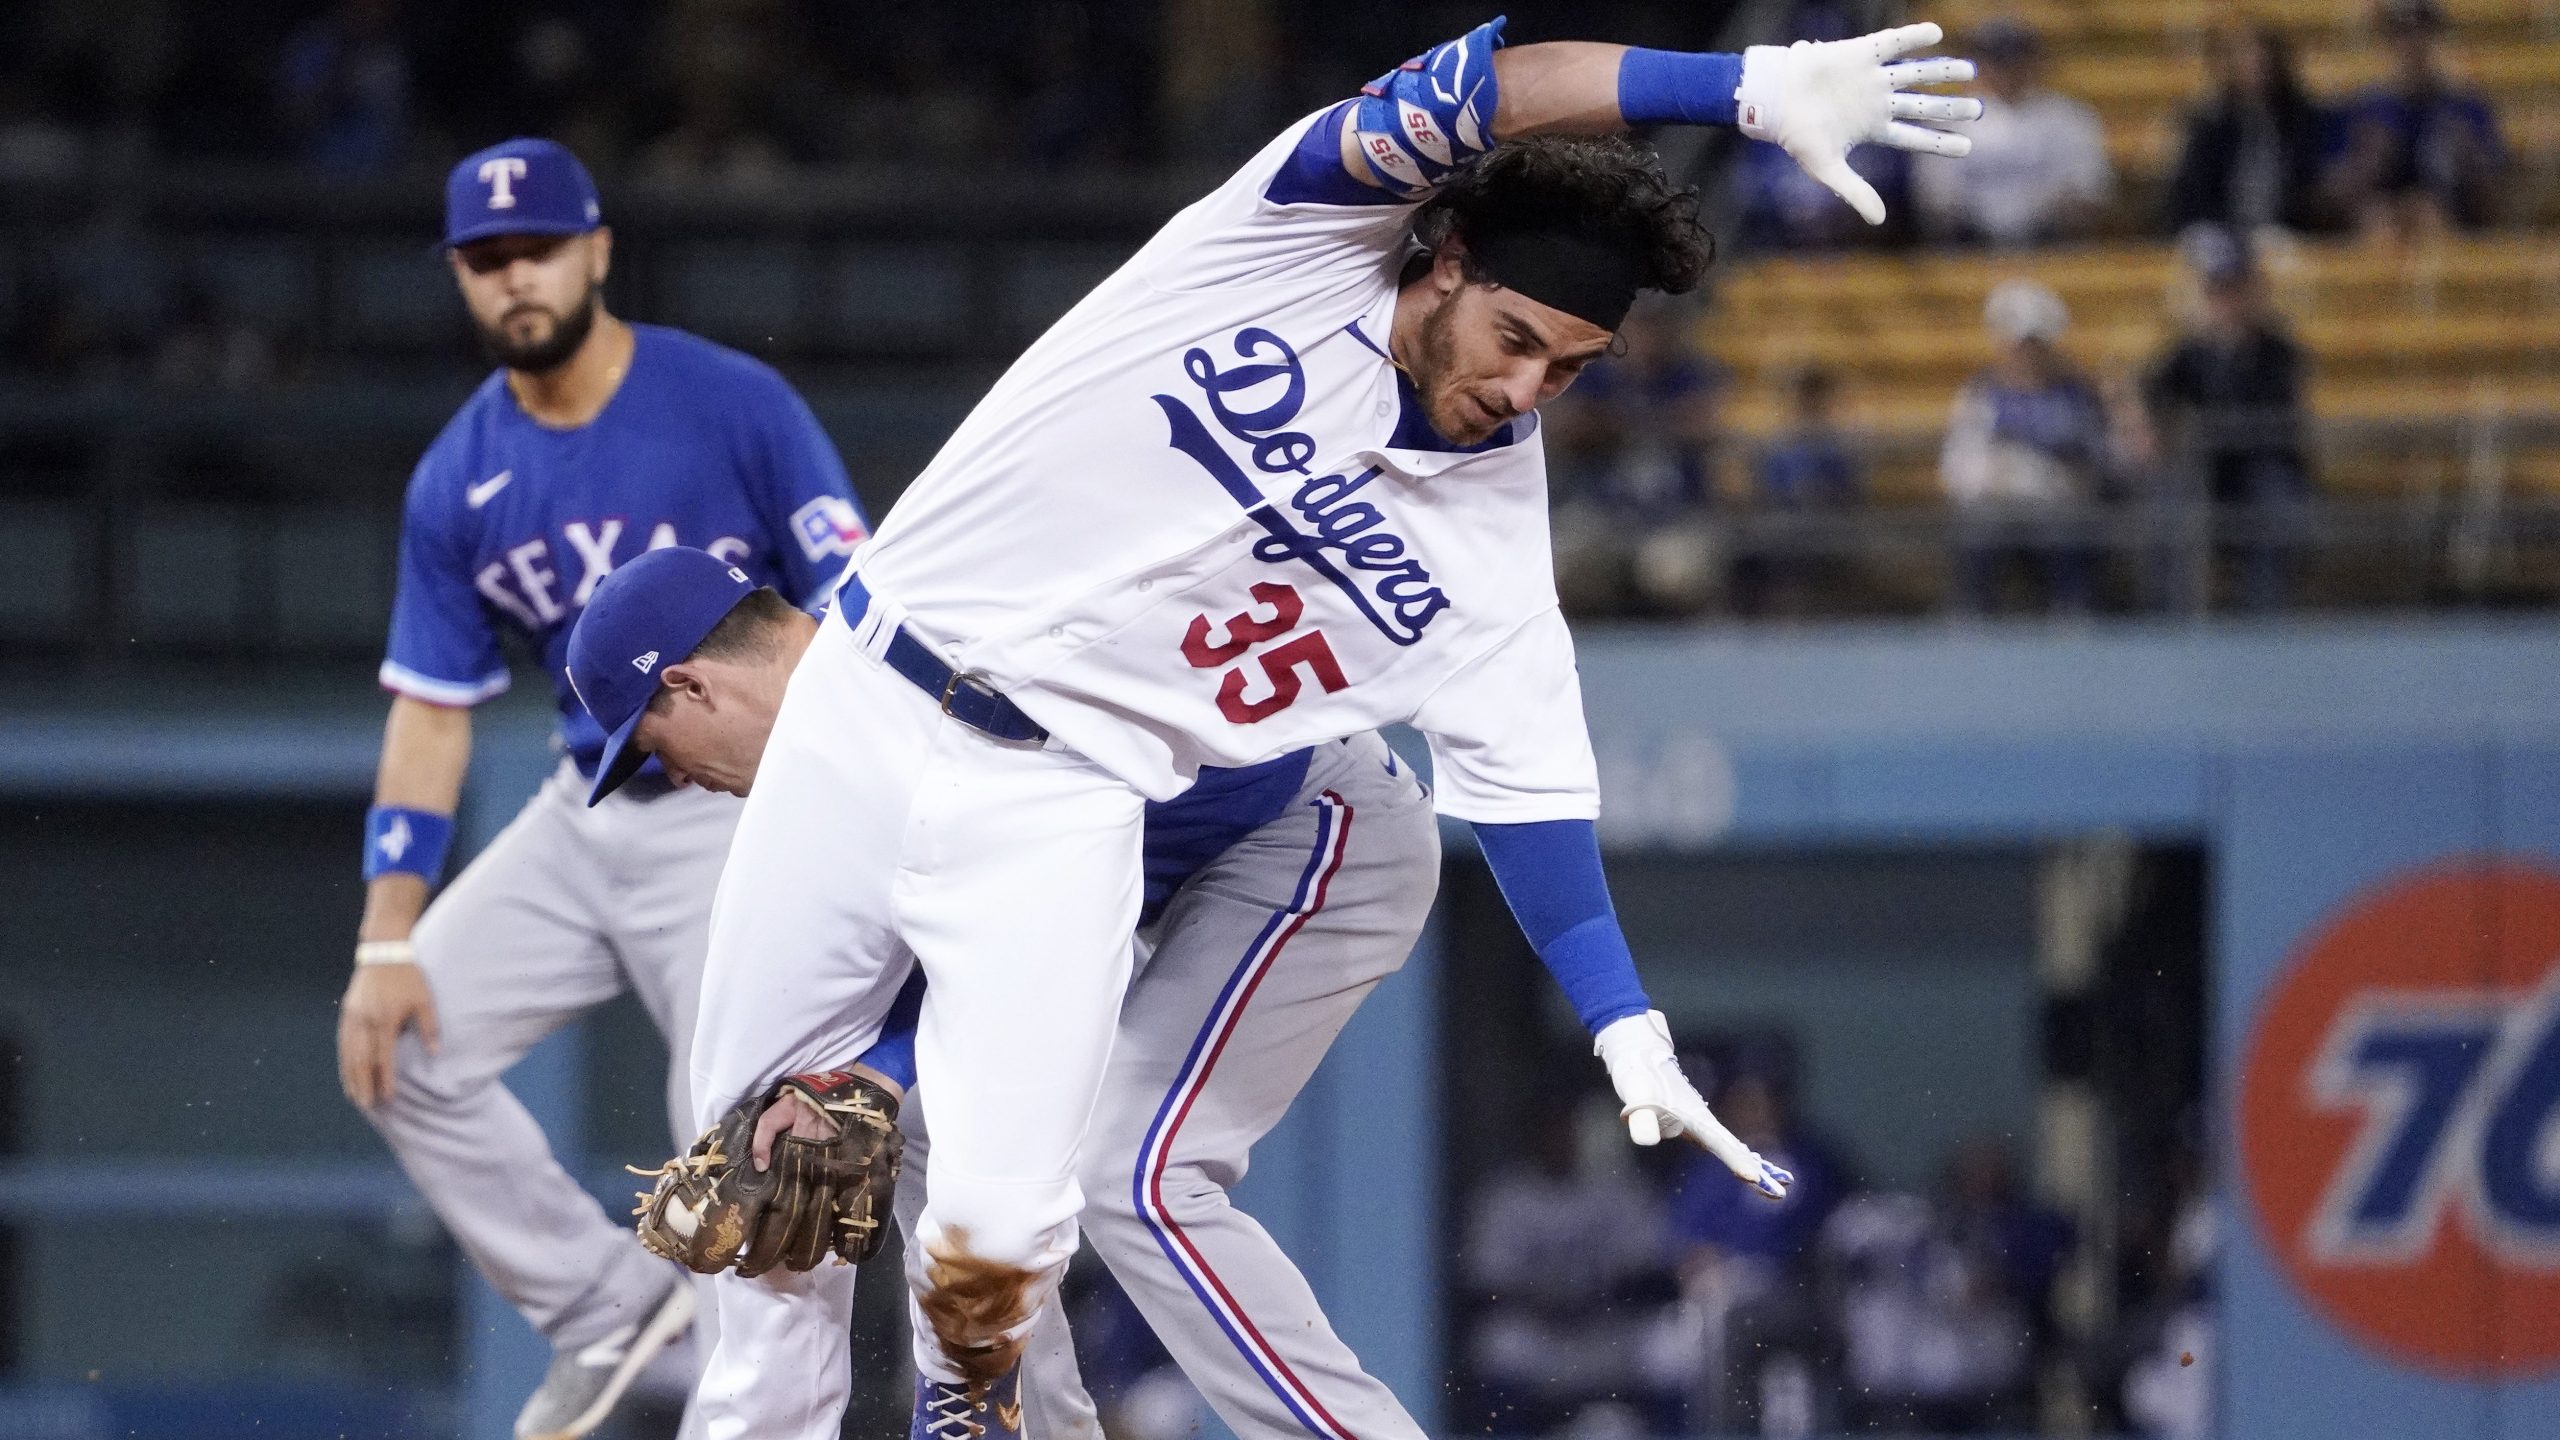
{"x": 894, "y": 1053}
{"x": 1549, "y": 871}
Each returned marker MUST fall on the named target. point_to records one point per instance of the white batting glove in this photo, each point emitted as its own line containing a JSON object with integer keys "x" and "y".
{"x": 1658, "y": 1100}
{"x": 1817, "y": 100}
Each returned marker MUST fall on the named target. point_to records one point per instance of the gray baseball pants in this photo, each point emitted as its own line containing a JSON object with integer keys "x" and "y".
{"x": 566, "y": 909}
{"x": 1254, "y": 968}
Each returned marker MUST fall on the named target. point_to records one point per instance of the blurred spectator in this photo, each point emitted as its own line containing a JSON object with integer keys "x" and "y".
{"x": 53, "y": 337}
{"x": 2167, "y": 1395}
{"x": 1140, "y": 1393}
{"x": 1641, "y": 442}
{"x": 204, "y": 346}
{"x": 1943, "y": 1305}
{"x": 1065, "y": 111}
{"x": 2251, "y": 157}
{"x": 2023, "y": 457}
{"x": 1566, "y": 1257}
{"x": 1808, "y": 465}
{"x": 1724, "y": 1226}
{"x": 2039, "y": 169}
{"x": 927, "y": 107}
{"x": 1783, "y": 208}
{"x": 714, "y": 143}
{"x": 343, "y": 88}
{"x": 36, "y": 142}
{"x": 556, "y": 88}
{"x": 2225, "y": 412}
{"x": 2020, "y": 1242}
{"x": 1806, "y": 469}
{"x": 1743, "y": 1257}
{"x": 2417, "y": 153}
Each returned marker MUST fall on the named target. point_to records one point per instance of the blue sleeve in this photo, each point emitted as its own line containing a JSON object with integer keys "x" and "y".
{"x": 1414, "y": 127}
{"x": 443, "y": 648}
{"x": 1549, "y": 871}
{"x": 894, "y": 1053}
{"x": 805, "y": 485}
{"x": 1671, "y": 87}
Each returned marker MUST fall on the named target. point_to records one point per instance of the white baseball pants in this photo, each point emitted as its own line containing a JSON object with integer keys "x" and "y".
{"x": 881, "y": 834}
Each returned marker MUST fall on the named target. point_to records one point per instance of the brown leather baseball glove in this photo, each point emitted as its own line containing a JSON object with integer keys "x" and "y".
{"x": 713, "y": 1210}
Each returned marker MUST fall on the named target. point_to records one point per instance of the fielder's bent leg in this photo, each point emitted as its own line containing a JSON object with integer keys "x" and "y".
{"x": 663, "y": 854}
{"x": 1259, "y": 962}
{"x": 513, "y": 948}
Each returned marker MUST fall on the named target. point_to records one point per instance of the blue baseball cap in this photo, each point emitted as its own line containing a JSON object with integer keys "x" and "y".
{"x": 521, "y": 187}
{"x": 644, "y": 616}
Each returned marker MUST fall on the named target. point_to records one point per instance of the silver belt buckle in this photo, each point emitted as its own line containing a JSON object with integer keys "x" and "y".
{"x": 970, "y": 678}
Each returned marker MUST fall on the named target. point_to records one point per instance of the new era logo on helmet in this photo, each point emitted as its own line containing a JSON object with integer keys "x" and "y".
{"x": 737, "y": 574}
{"x": 643, "y": 663}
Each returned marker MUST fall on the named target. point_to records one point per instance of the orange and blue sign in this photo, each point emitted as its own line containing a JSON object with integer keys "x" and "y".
{"x": 2399, "y": 1120}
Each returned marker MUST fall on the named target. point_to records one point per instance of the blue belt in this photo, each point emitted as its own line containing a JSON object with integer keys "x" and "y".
{"x": 964, "y": 697}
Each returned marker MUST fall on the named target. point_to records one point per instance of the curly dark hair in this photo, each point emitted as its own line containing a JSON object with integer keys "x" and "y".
{"x": 1603, "y": 184}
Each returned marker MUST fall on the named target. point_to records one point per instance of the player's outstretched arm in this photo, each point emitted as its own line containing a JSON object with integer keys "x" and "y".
{"x": 425, "y": 750}
{"x": 1550, "y": 874}
{"x": 1813, "y": 99}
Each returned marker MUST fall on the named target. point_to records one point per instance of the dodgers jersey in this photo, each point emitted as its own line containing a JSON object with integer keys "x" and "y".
{"x": 510, "y": 524}
{"x": 1202, "y": 522}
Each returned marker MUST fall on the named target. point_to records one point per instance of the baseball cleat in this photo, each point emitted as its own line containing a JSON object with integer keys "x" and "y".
{"x": 583, "y": 1385}
{"x": 963, "y": 1412}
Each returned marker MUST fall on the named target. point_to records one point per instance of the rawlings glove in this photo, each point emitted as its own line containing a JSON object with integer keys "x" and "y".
{"x": 713, "y": 1210}
{"x": 1658, "y": 1100}
{"x": 1818, "y": 99}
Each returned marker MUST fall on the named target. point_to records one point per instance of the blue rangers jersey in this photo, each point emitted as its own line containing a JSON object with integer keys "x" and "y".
{"x": 510, "y": 524}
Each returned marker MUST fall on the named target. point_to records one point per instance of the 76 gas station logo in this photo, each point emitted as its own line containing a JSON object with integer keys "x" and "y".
{"x": 2460, "y": 1098}
{"x": 2398, "y": 1118}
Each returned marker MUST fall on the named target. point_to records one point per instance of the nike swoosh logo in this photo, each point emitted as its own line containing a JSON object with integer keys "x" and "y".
{"x": 478, "y": 495}
{"x": 609, "y": 1350}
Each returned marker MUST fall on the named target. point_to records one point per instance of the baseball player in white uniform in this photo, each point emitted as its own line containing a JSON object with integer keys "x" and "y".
{"x": 595, "y": 441}
{"x": 1275, "y": 482}
{"x": 1276, "y": 897}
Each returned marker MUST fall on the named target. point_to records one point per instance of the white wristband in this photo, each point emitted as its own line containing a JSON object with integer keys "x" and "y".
{"x": 386, "y": 952}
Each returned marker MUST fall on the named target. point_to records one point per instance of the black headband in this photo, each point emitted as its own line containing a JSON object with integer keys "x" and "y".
{"x": 1591, "y": 276}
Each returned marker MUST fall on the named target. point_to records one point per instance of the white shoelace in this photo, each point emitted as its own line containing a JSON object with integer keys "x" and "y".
{"x": 950, "y": 1409}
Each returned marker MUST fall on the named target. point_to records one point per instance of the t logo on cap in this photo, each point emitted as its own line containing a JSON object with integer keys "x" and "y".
{"x": 525, "y": 186}
{"x": 500, "y": 175}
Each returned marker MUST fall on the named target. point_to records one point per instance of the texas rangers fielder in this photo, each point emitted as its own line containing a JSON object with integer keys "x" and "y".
{"x": 1276, "y": 897}
{"x": 1275, "y": 482}
{"x": 595, "y": 441}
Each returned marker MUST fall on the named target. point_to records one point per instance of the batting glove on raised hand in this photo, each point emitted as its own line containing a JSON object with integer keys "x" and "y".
{"x": 1817, "y": 99}
{"x": 1658, "y": 1100}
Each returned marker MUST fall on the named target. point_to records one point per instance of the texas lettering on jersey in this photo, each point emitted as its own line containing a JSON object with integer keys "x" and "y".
{"x": 528, "y": 582}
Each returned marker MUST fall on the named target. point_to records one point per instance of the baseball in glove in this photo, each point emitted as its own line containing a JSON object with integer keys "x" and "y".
{"x": 713, "y": 1210}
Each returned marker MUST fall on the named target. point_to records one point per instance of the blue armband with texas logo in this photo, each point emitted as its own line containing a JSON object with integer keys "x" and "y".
{"x": 399, "y": 840}
{"x": 1423, "y": 121}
